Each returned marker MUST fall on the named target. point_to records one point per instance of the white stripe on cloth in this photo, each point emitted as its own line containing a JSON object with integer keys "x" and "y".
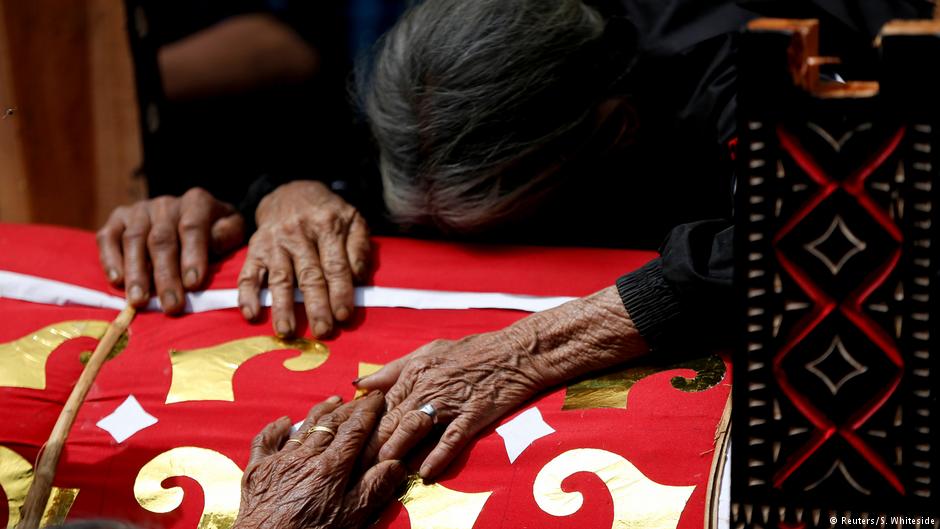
{"x": 47, "y": 291}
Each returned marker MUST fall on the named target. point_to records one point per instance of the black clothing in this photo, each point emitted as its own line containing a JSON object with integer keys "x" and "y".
{"x": 224, "y": 143}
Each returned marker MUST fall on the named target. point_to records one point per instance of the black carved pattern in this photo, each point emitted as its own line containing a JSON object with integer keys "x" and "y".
{"x": 867, "y": 371}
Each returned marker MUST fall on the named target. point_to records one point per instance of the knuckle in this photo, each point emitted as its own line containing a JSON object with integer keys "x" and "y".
{"x": 189, "y": 224}
{"x": 336, "y": 270}
{"x": 292, "y": 226}
{"x": 163, "y": 202}
{"x": 329, "y": 221}
{"x": 134, "y": 234}
{"x": 452, "y": 437}
{"x": 280, "y": 277}
{"x": 104, "y": 234}
{"x": 311, "y": 276}
{"x": 355, "y": 424}
{"x": 413, "y": 421}
{"x": 161, "y": 237}
{"x": 197, "y": 193}
{"x": 329, "y": 418}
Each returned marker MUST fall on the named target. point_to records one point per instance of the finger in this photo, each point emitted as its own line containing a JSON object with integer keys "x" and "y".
{"x": 109, "y": 248}
{"x": 384, "y": 378}
{"x": 134, "y": 241}
{"x": 387, "y": 426}
{"x": 339, "y": 277}
{"x": 313, "y": 416}
{"x": 455, "y": 438}
{"x": 359, "y": 249}
{"x": 228, "y": 233}
{"x": 354, "y": 432}
{"x": 281, "y": 285}
{"x": 312, "y": 284}
{"x": 316, "y": 438}
{"x": 269, "y": 440}
{"x": 196, "y": 208}
{"x": 163, "y": 245}
{"x": 373, "y": 491}
{"x": 249, "y": 284}
{"x": 413, "y": 426}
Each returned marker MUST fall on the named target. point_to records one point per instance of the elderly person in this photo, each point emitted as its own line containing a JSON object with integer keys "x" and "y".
{"x": 604, "y": 122}
{"x": 309, "y": 481}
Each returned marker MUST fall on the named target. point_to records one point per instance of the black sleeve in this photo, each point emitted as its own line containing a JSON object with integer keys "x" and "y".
{"x": 684, "y": 299}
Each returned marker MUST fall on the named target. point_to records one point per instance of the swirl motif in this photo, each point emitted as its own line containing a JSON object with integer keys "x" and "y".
{"x": 219, "y": 477}
{"x": 638, "y": 501}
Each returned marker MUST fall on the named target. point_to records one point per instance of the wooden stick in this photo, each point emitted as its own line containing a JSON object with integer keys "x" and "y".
{"x": 38, "y": 495}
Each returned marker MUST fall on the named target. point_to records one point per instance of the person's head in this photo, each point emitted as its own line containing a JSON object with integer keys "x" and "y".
{"x": 476, "y": 104}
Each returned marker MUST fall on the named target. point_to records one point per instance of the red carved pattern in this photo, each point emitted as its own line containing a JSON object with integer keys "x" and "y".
{"x": 850, "y": 307}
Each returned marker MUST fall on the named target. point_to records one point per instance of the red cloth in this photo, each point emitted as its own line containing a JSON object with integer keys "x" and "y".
{"x": 667, "y": 434}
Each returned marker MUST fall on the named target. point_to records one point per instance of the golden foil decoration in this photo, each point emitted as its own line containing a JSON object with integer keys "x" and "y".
{"x": 638, "y": 501}
{"x": 219, "y": 477}
{"x": 435, "y": 506}
{"x": 58, "y": 507}
{"x": 118, "y": 348}
{"x": 206, "y": 374}
{"x": 366, "y": 369}
{"x": 611, "y": 390}
{"x": 16, "y": 475}
{"x": 23, "y": 361}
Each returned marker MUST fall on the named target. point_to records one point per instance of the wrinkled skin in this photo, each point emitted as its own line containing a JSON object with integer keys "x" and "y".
{"x": 310, "y": 485}
{"x": 474, "y": 381}
{"x": 307, "y": 232}
{"x": 170, "y": 237}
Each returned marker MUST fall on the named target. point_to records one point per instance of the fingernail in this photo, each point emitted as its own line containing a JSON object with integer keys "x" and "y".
{"x": 247, "y": 313}
{"x": 334, "y": 399}
{"x": 321, "y": 329}
{"x": 354, "y": 382}
{"x": 425, "y": 470}
{"x": 168, "y": 299}
{"x": 112, "y": 275}
{"x": 192, "y": 278}
{"x": 283, "y": 328}
{"x": 135, "y": 293}
{"x": 342, "y": 313}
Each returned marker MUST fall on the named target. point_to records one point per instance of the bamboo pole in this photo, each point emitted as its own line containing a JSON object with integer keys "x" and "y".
{"x": 39, "y": 490}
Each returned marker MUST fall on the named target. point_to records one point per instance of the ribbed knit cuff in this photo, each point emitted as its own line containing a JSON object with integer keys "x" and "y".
{"x": 651, "y": 303}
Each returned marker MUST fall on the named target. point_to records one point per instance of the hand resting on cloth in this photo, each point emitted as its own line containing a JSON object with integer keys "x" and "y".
{"x": 470, "y": 383}
{"x": 306, "y": 481}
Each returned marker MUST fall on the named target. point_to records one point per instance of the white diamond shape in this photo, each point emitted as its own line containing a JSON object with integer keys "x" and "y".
{"x": 858, "y": 245}
{"x": 834, "y": 387}
{"x": 519, "y": 433}
{"x": 128, "y": 419}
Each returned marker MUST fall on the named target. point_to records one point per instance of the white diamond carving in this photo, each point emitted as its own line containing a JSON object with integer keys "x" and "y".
{"x": 845, "y": 473}
{"x": 858, "y": 245}
{"x": 519, "y": 433}
{"x": 125, "y": 421}
{"x": 835, "y": 386}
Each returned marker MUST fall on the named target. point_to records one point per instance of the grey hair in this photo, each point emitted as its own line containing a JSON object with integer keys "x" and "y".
{"x": 466, "y": 99}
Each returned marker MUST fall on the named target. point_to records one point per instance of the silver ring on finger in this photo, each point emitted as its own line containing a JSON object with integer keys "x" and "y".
{"x": 429, "y": 410}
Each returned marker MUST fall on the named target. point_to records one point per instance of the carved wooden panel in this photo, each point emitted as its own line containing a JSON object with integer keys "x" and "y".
{"x": 834, "y": 415}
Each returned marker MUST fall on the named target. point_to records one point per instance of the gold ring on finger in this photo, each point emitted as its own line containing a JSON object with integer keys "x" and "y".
{"x": 319, "y": 428}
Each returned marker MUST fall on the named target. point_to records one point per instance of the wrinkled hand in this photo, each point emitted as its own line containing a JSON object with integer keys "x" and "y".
{"x": 474, "y": 381}
{"x": 171, "y": 236}
{"x": 308, "y": 485}
{"x": 308, "y": 232}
